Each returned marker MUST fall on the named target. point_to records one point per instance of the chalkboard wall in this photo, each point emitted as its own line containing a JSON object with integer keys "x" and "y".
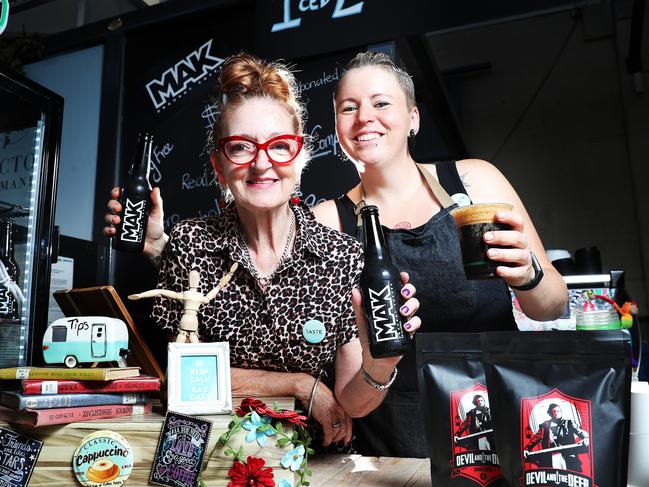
{"x": 169, "y": 86}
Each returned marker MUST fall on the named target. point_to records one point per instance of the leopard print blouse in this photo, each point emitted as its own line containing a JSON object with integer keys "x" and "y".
{"x": 264, "y": 329}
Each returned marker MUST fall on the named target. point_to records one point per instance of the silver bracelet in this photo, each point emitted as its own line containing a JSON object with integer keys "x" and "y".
{"x": 313, "y": 391}
{"x": 377, "y": 385}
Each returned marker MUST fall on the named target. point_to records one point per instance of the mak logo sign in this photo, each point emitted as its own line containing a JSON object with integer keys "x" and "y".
{"x": 176, "y": 80}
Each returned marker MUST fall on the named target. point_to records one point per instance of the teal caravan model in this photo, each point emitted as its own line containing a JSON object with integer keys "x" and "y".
{"x": 85, "y": 339}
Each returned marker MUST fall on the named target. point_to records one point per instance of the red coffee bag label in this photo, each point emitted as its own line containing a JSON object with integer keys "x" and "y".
{"x": 556, "y": 441}
{"x": 472, "y": 442}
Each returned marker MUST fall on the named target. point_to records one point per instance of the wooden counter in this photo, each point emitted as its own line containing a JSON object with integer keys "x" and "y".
{"x": 54, "y": 467}
{"x": 359, "y": 471}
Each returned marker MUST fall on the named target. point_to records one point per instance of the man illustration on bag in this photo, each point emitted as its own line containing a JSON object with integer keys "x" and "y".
{"x": 559, "y": 437}
{"x": 478, "y": 426}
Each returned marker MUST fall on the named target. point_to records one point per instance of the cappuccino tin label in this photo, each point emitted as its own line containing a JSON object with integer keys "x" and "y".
{"x": 104, "y": 458}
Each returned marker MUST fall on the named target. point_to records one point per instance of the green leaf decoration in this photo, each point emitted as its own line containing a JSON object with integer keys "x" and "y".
{"x": 282, "y": 442}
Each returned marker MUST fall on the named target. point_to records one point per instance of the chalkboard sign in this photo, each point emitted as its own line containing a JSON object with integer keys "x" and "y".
{"x": 297, "y": 28}
{"x": 294, "y": 28}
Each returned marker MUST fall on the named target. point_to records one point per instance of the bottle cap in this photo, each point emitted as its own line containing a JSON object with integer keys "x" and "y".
{"x": 369, "y": 209}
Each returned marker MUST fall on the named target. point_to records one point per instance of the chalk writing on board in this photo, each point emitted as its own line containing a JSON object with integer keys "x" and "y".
{"x": 342, "y": 8}
{"x": 193, "y": 182}
{"x": 210, "y": 115}
{"x": 310, "y": 199}
{"x": 212, "y": 212}
{"x": 323, "y": 145}
{"x": 171, "y": 220}
{"x": 323, "y": 80}
{"x": 190, "y": 70}
{"x": 158, "y": 154}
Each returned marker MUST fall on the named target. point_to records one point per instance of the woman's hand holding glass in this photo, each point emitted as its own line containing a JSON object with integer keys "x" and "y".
{"x": 517, "y": 253}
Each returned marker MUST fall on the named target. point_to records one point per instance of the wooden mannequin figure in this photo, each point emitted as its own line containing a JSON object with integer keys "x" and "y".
{"x": 192, "y": 299}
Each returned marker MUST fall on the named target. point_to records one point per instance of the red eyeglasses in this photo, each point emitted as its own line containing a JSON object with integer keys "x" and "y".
{"x": 280, "y": 150}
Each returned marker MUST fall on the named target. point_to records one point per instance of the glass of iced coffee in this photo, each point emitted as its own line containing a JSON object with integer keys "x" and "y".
{"x": 472, "y": 223}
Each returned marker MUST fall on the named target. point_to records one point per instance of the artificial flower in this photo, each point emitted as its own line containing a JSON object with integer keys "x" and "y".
{"x": 284, "y": 483}
{"x": 258, "y": 429}
{"x": 251, "y": 474}
{"x": 293, "y": 458}
{"x": 290, "y": 416}
{"x": 249, "y": 404}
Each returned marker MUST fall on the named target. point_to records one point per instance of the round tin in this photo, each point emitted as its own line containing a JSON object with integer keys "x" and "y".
{"x": 104, "y": 458}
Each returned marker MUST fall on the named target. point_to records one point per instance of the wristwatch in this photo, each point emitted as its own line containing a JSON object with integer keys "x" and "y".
{"x": 538, "y": 275}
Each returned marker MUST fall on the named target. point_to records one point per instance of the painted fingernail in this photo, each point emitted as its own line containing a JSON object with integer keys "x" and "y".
{"x": 488, "y": 236}
{"x": 492, "y": 253}
{"x": 408, "y": 326}
{"x": 404, "y": 309}
{"x": 405, "y": 291}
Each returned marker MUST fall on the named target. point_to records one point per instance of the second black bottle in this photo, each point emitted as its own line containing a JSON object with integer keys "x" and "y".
{"x": 135, "y": 200}
{"x": 380, "y": 283}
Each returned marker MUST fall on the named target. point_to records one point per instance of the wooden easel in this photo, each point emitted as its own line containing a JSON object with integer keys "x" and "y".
{"x": 104, "y": 301}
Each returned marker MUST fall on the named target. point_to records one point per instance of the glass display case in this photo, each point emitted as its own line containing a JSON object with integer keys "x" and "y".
{"x": 30, "y": 134}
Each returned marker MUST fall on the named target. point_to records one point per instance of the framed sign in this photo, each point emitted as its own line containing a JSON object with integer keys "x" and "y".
{"x": 199, "y": 378}
{"x": 181, "y": 448}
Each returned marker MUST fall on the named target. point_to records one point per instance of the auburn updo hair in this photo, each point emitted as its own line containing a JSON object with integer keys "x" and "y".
{"x": 245, "y": 76}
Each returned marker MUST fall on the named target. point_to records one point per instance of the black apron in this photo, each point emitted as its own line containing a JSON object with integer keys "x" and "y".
{"x": 449, "y": 303}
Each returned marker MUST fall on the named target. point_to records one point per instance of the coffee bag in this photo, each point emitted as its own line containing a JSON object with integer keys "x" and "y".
{"x": 562, "y": 406}
{"x": 456, "y": 411}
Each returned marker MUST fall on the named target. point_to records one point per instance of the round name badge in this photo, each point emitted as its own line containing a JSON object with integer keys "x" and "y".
{"x": 314, "y": 331}
{"x": 461, "y": 199}
{"x": 104, "y": 458}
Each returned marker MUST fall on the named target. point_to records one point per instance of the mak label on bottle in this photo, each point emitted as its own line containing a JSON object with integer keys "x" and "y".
{"x": 134, "y": 215}
{"x": 386, "y": 326}
{"x": 7, "y": 302}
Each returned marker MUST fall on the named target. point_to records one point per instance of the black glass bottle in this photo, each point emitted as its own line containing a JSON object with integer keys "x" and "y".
{"x": 136, "y": 201}
{"x": 8, "y": 304}
{"x": 380, "y": 283}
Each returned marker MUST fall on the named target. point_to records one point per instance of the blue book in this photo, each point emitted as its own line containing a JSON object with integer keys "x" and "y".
{"x": 16, "y": 400}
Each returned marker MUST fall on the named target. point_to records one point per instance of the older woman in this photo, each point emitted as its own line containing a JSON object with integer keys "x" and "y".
{"x": 294, "y": 273}
{"x": 376, "y": 117}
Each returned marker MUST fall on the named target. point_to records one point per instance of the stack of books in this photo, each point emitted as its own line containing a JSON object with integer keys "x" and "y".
{"x": 53, "y": 395}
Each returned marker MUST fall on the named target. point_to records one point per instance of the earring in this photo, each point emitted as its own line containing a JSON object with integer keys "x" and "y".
{"x": 412, "y": 133}
{"x": 295, "y": 196}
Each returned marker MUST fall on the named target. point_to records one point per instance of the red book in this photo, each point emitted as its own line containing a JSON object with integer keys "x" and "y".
{"x": 43, "y": 417}
{"x": 142, "y": 383}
